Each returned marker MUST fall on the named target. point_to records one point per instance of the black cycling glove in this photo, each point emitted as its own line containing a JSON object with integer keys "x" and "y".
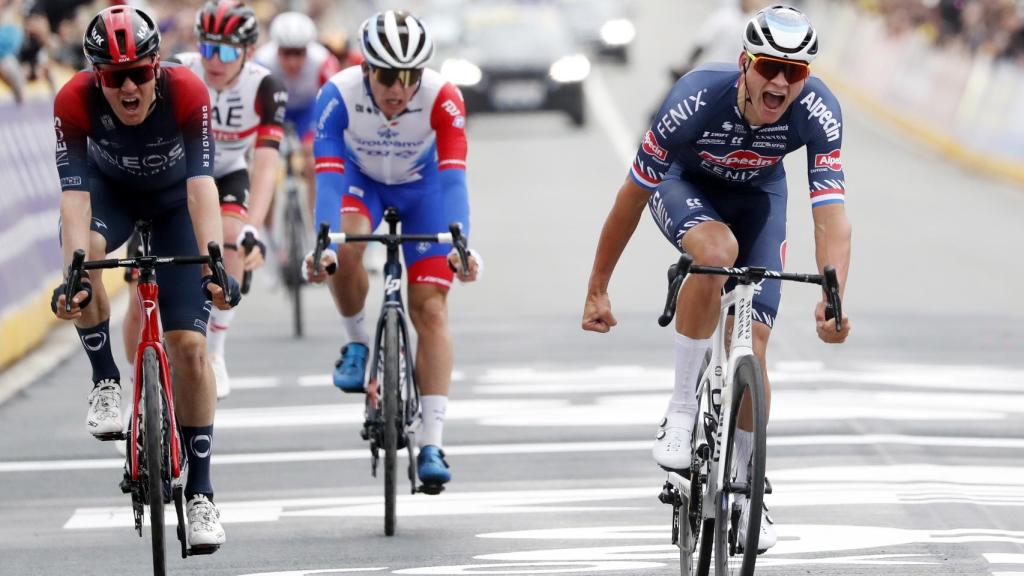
{"x": 86, "y": 285}
{"x": 233, "y": 292}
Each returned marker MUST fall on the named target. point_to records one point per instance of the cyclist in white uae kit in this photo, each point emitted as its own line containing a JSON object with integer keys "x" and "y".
{"x": 710, "y": 171}
{"x": 248, "y": 104}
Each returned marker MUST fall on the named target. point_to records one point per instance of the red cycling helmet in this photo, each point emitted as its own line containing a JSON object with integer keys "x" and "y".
{"x": 227, "y": 22}
{"x": 120, "y": 34}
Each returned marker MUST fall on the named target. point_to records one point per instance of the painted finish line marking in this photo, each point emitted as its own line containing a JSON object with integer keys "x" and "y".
{"x": 839, "y": 486}
{"x": 532, "y": 448}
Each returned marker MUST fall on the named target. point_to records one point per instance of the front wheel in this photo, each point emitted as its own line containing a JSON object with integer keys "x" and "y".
{"x": 295, "y": 227}
{"x": 747, "y": 377}
{"x": 152, "y": 396}
{"x": 392, "y": 425}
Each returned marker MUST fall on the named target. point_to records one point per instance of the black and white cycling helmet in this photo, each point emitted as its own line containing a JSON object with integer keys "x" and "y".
{"x": 395, "y": 39}
{"x": 782, "y": 32}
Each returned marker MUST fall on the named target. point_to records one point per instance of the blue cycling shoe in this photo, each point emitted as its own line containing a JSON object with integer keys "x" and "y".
{"x": 350, "y": 369}
{"x": 432, "y": 468}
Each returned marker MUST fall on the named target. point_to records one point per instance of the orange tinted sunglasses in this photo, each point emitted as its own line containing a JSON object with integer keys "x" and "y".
{"x": 770, "y": 67}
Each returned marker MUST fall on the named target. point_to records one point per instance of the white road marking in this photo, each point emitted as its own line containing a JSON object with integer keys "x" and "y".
{"x": 254, "y": 382}
{"x": 1001, "y": 558}
{"x": 525, "y": 448}
{"x": 532, "y": 568}
{"x": 310, "y": 572}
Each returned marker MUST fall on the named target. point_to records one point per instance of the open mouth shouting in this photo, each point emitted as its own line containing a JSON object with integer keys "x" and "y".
{"x": 131, "y": 104}
{"x": 773, "y": 100}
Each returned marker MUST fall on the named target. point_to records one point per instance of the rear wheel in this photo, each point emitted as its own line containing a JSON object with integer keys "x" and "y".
{"x": 295, "y": 234}
{"x": 747, "y": 377}
{"x": 392, "y": 425}
{"x": 153, "y": 444}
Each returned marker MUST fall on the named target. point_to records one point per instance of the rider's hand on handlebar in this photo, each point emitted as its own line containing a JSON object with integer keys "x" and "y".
{"x": 78, "y": 302}
{"x": 216, "y": 294}
{"x": 256, "y": 257}
{"x": 328, "y": 265}
{"x": 597, "y": 313}
{"x": 827, "y": 328}
{"x": 476, "y": 265}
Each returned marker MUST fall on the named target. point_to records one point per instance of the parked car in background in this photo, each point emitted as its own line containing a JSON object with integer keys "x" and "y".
{"x": 604, "y": 26}
{"x": 518, "y": 57}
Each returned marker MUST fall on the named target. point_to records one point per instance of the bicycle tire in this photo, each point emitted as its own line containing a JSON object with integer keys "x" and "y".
{"x": 294, "y": 234}
{"x": 392, "y": 425}
{"x": 152, "y": 395}
{"x": 747, "y": 376}
{"x": 705, "y": 526}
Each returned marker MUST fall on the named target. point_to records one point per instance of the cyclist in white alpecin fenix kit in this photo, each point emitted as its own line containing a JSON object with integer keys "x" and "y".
{"x": 710, "y": 172}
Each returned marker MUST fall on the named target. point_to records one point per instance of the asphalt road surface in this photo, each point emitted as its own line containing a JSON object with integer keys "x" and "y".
{"x": 901, "y": 452}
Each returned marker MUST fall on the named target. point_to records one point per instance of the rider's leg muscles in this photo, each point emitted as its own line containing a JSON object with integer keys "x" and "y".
{"x": 195, "y": 396}
{"x": 94, "y": 325}
{"x": 220, "y": 320}
{"x": 350, "y": 285}
{"x": 428, "y": 310}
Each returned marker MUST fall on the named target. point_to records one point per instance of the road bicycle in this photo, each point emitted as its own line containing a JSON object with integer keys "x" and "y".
{"x": 154, "y": 459}
{"x": 706, "y": 498}
{"x": 392, "y": 397}
{"x": 292, "y": 227}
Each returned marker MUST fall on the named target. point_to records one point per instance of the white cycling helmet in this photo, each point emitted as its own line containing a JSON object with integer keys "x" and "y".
{"x": 395, "y": 39}
{"x": 782, "y": 32}
{"x": 293, "y": 30}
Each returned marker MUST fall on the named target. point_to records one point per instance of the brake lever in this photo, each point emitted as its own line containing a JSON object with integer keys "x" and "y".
{"x": 676, "y": 274}
{"x": 248, "y": 243}
{"x": 834, "y": 308}
{"x": 74, "y": 282}
{"x": 220, "y": 275}
{"x": 459, "y": 242}
{"x": 323, "y": 240}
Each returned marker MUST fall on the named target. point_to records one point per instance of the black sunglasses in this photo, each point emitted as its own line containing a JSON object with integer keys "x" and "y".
{"x": 139, "y": 75}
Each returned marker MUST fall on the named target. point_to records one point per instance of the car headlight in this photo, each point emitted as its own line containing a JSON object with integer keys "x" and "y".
{"x": 570, "y": 69}
{"x": 461, "y": 72}
{"x": 618, "y": 32}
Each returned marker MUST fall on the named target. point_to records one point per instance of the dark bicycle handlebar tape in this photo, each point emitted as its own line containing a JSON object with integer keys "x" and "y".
{"x": 323, "y": 240}
{"x": 247, "y": 244}
{"x": 834, "y": 308}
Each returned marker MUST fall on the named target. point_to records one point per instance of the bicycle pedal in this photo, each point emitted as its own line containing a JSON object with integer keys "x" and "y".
{"x": 431, "y": 489}
{"x": 767, "y": 486}
{"x": 111, "y": 436}
{"x": 203, "y": 550}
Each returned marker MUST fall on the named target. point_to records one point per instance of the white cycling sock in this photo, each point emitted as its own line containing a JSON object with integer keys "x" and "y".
{"x": 689, "y": 357}
{"x": 743, "y": 446}
{"x": 355, "y": 327}
{"x": 434, "y": 408}
{"x": 220, "y": 321}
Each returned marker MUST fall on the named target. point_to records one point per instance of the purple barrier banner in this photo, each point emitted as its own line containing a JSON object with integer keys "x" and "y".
{"x": 29, "y": 202}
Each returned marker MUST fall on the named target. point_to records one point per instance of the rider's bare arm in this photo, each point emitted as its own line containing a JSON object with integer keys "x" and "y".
{"x": 618, "y": 229}
{"x": 832, "y": 232}
{"x": 204, "y": 209}
{"x": 264, "y": 171}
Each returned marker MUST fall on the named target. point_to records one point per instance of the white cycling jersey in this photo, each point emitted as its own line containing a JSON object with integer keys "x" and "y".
{"x": 397, "y": 151}
{"x": 249, "y": 112}
{"x": 302, "y": 89}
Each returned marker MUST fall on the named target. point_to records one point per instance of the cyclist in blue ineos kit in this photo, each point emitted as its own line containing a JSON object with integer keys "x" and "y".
{"x": 134, "y": 141}
{"x": 710, "y": 172}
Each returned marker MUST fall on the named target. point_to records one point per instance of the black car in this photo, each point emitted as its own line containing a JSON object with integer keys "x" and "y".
{"x": 518, "y": 57}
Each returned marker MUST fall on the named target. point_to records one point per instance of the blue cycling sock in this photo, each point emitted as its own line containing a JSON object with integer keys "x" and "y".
{"x": 96, "y": 341}
{"x": 198, "y": 446}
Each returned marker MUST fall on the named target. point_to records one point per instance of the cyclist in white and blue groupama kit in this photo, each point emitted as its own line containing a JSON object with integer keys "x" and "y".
{"x": 392, "y": 133}
{"x": 710, "y": 171}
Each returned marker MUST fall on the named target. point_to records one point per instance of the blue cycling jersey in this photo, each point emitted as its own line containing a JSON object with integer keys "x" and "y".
{"x": 700, "y": 133}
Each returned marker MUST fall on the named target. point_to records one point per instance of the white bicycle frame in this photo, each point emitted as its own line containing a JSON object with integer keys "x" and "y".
{"x": 718, "y": 377}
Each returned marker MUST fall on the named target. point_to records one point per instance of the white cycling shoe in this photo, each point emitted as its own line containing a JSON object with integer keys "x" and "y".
{"x": 672, "y": 443}
{"x": 220, "y": 375}
{"x": 767, "y": 538}
{"x": 104, "y": 417}
{"x": 204, "y": 529}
